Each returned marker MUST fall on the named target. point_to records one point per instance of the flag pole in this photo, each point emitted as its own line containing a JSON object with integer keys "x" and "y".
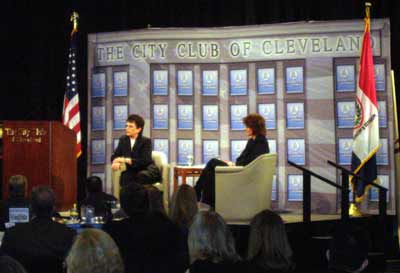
{"x": 71, "y": 113}
{"x": 365, "y": 132}
{"x": 396, "y": 128}
{"x": 396, "y": 148}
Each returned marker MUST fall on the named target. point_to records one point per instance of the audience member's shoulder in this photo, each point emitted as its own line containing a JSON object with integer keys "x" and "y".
{"x": 158, "y": 219}
{"x": 17, "y": 228}
{"x": 116, "y": 223}
{"x": 47, "y": 226}
{"x": 117, "y": 226}
{"x": 249, "y": 266}
{"x": 206, "y": 266}
{"x": 62, "y": 228}
{"x": 109, "y": 197}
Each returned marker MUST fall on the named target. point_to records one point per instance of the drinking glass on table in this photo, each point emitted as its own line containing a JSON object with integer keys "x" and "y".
{"x": 190, "y": 160}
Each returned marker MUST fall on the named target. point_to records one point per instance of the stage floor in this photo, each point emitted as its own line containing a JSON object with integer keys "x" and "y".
{"x": 290, "y": 218}
{"x": 293, "y": 217}
{"x": 297, "y": 217}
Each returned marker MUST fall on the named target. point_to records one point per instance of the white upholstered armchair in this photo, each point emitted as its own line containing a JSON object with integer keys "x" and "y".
{"x": 160, "y": 159}
{"x": 161, "y": 162}
{"x": 243, "y": 191}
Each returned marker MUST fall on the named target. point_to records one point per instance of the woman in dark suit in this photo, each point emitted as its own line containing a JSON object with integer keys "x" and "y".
{"x": 256, "y": 146}
{"x": 135, "y": 151}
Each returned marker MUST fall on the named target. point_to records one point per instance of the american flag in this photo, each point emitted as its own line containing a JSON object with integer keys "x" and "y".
{"x": 71, "y": 115}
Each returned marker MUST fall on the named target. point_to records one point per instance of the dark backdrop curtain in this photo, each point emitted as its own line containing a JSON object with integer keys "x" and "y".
{"x": 36, "y": 38}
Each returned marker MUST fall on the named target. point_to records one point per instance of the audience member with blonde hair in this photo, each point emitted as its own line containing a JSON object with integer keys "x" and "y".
{"x": 94, "y": 251}
{"x": 269, "y": 250}
{"x": 211, "y": 246}
{"x": 184, "y": 206}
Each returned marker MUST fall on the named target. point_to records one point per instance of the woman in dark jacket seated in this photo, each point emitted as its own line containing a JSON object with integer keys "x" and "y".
{"x": 256, "y": 146}
{"x": 211, "y": 246}
{"x": 269, "y": 250}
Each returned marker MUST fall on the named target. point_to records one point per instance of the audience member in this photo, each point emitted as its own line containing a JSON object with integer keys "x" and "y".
{"x": 94, "y": 251}
{"x": 348, "y": 250}
{"x": 184, "y": 206}
{"x": 40, "y": 245}
{"x": 10, "y": 265}
{"x": 148, "y": 240}
{"x": 99, "y": 200}
{"x": 269, "y": 249}
{"x": 211, "y": 245}
{"x": 17, "y": 186}
{"x": 183, "y": 209}
{"x": 155, "y": 199}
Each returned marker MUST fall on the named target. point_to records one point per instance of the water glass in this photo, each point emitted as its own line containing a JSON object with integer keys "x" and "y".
{"x": 190, "y": 160}
{"x": 87, "y": 213}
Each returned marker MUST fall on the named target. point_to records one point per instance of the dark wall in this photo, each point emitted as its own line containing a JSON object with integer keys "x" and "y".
{"x": 36, "y": 37}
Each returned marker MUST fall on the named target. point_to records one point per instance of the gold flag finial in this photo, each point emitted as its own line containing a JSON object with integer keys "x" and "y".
{"x": 367, "y": 15}
{"x": 74, "y": 19}
{"x": 354, "y": 211}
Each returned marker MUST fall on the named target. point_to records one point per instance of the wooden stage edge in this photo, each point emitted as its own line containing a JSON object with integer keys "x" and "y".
{"x": 294, "y": 217}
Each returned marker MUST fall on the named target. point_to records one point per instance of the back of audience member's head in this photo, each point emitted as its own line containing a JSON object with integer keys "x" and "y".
{"x": 43, "y": 200}
{"x": 134, "y": 199}
{"x": 184, "y": 206}
{"x": 210, "y": 239}
{"x": 155, "y": 199}
{"x": 94, "y": 251}
{"x": 348, "y": 250}
{"x": 268, "y": 243}
{"x": 17, "y": 186}
{"x": 94, "y": 184}
{"x": 9, "y": 265}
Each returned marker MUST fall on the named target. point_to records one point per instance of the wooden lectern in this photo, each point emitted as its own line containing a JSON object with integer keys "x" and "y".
{"x": 44, "y": 152}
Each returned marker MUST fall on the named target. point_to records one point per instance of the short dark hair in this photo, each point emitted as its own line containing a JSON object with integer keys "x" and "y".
{"x": 134, "y": 199}
{"x": 138, "y": 120}
{"x": 43, "y": 200}
{"x": 349, "y": 247}
{"x": 17, "y": 186}
{"x": 256, "y": 123}
{"x": 269, "y": 247}
{"x": 155, "y": 197}
{"x": 94, "y": 184}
